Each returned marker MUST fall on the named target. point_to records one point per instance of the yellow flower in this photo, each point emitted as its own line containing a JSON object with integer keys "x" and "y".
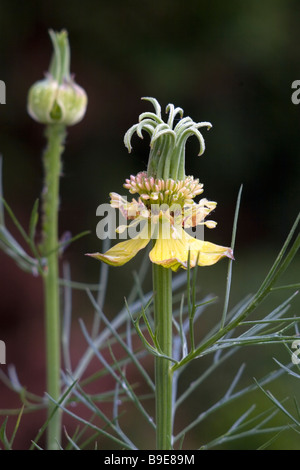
{"x": 164, "y": 208}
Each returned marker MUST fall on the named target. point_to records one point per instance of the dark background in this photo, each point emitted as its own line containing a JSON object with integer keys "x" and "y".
{"x": 231, "y": 63}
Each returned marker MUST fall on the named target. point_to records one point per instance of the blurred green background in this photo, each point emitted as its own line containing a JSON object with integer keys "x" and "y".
{"x": 231, "y": 63}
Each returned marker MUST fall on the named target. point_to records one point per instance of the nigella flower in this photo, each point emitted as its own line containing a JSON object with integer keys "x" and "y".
{"x": 165, "y": 205}
{"x": 163, "y": 210}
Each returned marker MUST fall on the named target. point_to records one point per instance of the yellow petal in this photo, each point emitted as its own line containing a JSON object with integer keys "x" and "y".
{"x": 169, "y": 253}
{"x": 124, "y": 251}
{"x": 207, "y": 253}
{"x": 174, "y": 253}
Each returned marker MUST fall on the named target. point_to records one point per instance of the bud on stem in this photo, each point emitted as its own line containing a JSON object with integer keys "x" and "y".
{"x": 57, "y": 99}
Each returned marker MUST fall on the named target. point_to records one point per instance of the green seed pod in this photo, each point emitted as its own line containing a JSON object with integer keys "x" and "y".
{"x": 49, "y": 102}
{"x": 57, "y": 98}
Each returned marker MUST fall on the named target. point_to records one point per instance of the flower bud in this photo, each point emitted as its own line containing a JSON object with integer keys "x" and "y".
{"x": 57, "y": 98}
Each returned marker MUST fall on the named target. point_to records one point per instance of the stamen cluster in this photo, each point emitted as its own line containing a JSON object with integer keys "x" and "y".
{"x": 159, "y": 191}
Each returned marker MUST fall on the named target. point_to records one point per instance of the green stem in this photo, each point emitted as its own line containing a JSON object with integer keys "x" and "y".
{"x": 55, "y": 135}
{"x": 162, "y": 285}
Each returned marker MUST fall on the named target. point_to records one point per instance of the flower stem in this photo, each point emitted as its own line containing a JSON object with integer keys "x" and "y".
{"x": 55, "y": 134}
{"x": 162, "y": 285}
